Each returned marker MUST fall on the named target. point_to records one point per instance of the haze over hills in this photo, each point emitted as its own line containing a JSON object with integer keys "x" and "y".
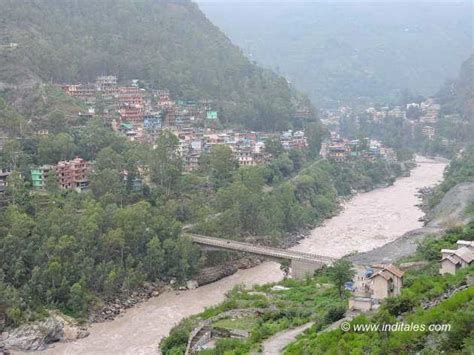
{"x": 458, "y": 95}
{"x": 342, "y": 51}
{"x": 169, "y": 44}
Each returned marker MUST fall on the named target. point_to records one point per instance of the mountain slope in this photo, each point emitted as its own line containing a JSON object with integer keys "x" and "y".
{"x": 170, "y": 44}
{"x": 458, "y": 95}
{"x": 348, "y": 50}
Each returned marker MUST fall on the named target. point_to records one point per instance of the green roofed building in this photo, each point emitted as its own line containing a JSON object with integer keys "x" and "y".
{"x": 39, "y": 175}
{"x": 126, "y": 126}
{"x": 212, "y": 115}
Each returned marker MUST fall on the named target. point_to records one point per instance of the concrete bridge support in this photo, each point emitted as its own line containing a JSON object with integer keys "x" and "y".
{"x": 301, "y": 268}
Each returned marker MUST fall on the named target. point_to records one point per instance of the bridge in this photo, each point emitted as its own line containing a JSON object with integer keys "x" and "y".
{"x": 301, "y": 263}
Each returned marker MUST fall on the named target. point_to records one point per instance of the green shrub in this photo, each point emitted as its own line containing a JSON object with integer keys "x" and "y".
{"x": 334, "y": 314}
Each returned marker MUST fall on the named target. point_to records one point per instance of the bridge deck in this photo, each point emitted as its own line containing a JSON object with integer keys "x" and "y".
{"x": 260, "y": 250}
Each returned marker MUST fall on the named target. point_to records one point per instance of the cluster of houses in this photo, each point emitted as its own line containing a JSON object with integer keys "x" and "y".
{"x": 421, "y": 116}
{"x": 248, "y": 148}
{"x": 453, "y": 260}
{"x": 340, "y": 149}
{"x": 139, "y": 113}
{"x": 424, "y": 114}
{"x": 142, "y": 114}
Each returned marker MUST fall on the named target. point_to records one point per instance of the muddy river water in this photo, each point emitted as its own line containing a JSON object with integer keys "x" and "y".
{"x": 367, "y": 221}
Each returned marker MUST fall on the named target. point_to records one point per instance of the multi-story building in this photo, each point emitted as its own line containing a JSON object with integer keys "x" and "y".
{"x": 429, "y": 132}
{"x": 39, "y": 176}
{"x": 337, "y": 152}
{"x": 73, "y": 174}
{"x": 245, "y": 157}
{"x": 83, "y": 92}
{"x": 152, "y": 122}
{"x": 130, "y": 95}
{"x": 4, "y": 174}
{"x": 107, "y": 83}
{"x": 131, "y": 113}
{"x": 293, "y": 140}
{"x": 164, "y": 98}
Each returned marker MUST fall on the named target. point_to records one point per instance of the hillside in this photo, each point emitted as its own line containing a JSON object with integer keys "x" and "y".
{"x": 169, "y": 44}
{"x": 457, "y": 95}
{"x": 340, "y": 51}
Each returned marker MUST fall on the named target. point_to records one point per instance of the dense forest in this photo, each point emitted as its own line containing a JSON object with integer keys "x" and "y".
{"x": 169, "y": 44}
{"x": 345, "y": 51}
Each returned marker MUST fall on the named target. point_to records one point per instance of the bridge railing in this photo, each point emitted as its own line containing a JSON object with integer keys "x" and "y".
{"x": 261, "y": 250}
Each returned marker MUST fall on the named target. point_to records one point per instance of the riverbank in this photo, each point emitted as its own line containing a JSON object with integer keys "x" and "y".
{"x": 139, "y": 329}
{"x": 372, "y": 219}
{"x": 450, "y": 212}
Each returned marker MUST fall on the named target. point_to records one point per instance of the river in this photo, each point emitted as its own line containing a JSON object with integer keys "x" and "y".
{"x": 369, "y": 220}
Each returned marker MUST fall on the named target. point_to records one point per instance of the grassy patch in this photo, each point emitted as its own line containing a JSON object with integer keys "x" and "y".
{"x": 302, "y": 301}
{"x": 244, "y": 323}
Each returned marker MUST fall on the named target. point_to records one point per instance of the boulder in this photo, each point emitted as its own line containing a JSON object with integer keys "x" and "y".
{"x": 37, "y": 335}
{"x": 34, "y": 336}
{"x": 192, "y": 284}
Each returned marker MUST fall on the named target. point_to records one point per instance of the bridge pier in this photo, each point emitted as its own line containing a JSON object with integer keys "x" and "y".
{"x": 301, "y": 268}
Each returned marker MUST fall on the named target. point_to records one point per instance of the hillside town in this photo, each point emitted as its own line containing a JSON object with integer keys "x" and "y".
{"x": 420, "y": 119}
{"x": 340, "y": 149}
{"x": 141, "y": 115}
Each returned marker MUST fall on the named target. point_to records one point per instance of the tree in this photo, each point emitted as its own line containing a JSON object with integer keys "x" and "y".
{"x": 252, "y": 177}
{"x": 57, "y": 122}
{"x": 16, "y": 189}
{"x": 107, "y": 182}
{"x": 222, "y": 165}
{"x": 108, "y": 158}
{"x": 78, "y": 299}
{"x": 51, "y": 183}
{"x": 154, "y": 259}
{"x": 114, "y": 244}
{"x": 55, "y": 148}
{"x": 12, "y": 155}
{"x": 297, "y": 157}
{"x": 273, "y": 147}
{"x": 315, "y": 133}
{"x": 413, "y": 113}
{"x": 340, "y": 273}
{"x": 94, "y": 137}
{"x": 166, "y": 164}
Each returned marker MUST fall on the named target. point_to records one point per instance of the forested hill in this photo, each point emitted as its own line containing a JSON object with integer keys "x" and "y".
{"x": 458, "y": 95}
{"x": 170, "y": 44}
